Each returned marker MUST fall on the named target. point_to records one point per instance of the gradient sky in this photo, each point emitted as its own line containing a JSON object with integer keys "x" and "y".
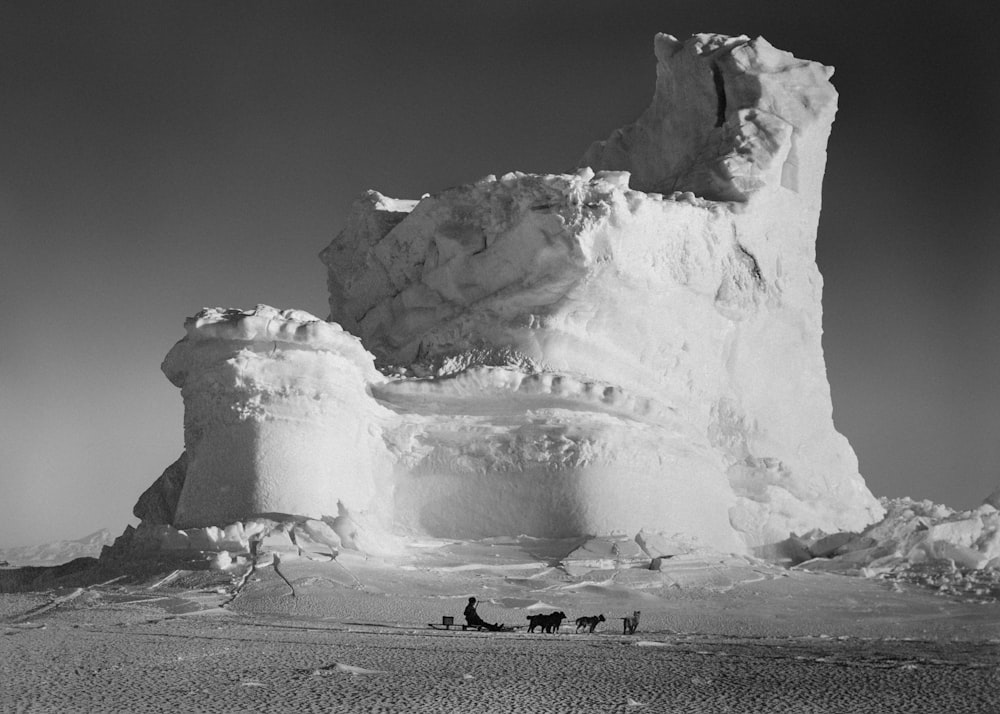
{"x": 157, "y": 157}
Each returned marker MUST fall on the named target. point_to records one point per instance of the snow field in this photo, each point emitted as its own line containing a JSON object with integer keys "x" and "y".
{"x": 354, "y": 638}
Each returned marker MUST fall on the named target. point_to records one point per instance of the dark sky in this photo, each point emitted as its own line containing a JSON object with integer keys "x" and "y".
{"x": 159, "y": 157}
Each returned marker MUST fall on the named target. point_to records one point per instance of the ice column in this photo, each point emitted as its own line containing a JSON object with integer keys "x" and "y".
{"x": 278, "y": 417}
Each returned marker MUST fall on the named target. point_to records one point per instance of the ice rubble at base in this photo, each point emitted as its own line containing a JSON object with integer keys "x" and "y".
{"x": 912, "y": 533}
{"x": 955, "y": 552}
{"x": 559, "y": 355}
{"x": 255, "y": 540}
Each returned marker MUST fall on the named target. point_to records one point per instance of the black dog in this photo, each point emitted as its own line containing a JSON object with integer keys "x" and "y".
{"x": 591, "y": 622}
{"x": 549, "y": 623}
{"x": 554, "y": 621}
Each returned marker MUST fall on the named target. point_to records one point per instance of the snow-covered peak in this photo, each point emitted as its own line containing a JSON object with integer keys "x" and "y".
{"x": 730, "y": 116}
{"x": 703, "y": 43}
{"x": 57, "y": 552}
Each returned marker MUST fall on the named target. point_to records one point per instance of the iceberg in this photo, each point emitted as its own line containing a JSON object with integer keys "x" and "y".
{"x": 633, "y": 346}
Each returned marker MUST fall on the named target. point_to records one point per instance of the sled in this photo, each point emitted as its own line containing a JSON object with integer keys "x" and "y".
{"x": 448, "y": 623}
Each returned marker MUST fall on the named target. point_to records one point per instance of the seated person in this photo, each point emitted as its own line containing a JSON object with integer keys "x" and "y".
{"x": 472, "y": 618}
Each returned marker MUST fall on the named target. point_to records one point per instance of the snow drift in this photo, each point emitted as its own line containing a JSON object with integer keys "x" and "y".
{"x": 632, "y": 346}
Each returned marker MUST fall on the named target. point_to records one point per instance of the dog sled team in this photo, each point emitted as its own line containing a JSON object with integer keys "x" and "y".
{"x": 549, "y": 623}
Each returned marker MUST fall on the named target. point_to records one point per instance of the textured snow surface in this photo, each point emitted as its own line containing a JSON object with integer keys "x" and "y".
{"x": 720, "y": 634}
{"x": 558, "y": 355}
{"x": 301, "y": 622}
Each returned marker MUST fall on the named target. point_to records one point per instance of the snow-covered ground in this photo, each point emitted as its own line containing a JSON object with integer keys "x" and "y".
{"x": 313, "y": 633}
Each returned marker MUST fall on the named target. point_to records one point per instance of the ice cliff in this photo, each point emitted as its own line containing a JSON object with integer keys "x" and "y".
{"x": 631, "y": 346}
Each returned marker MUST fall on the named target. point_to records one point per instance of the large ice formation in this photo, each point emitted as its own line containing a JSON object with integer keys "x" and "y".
{"x": 277, "y": 417}
{"x": 632, "y": 346}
